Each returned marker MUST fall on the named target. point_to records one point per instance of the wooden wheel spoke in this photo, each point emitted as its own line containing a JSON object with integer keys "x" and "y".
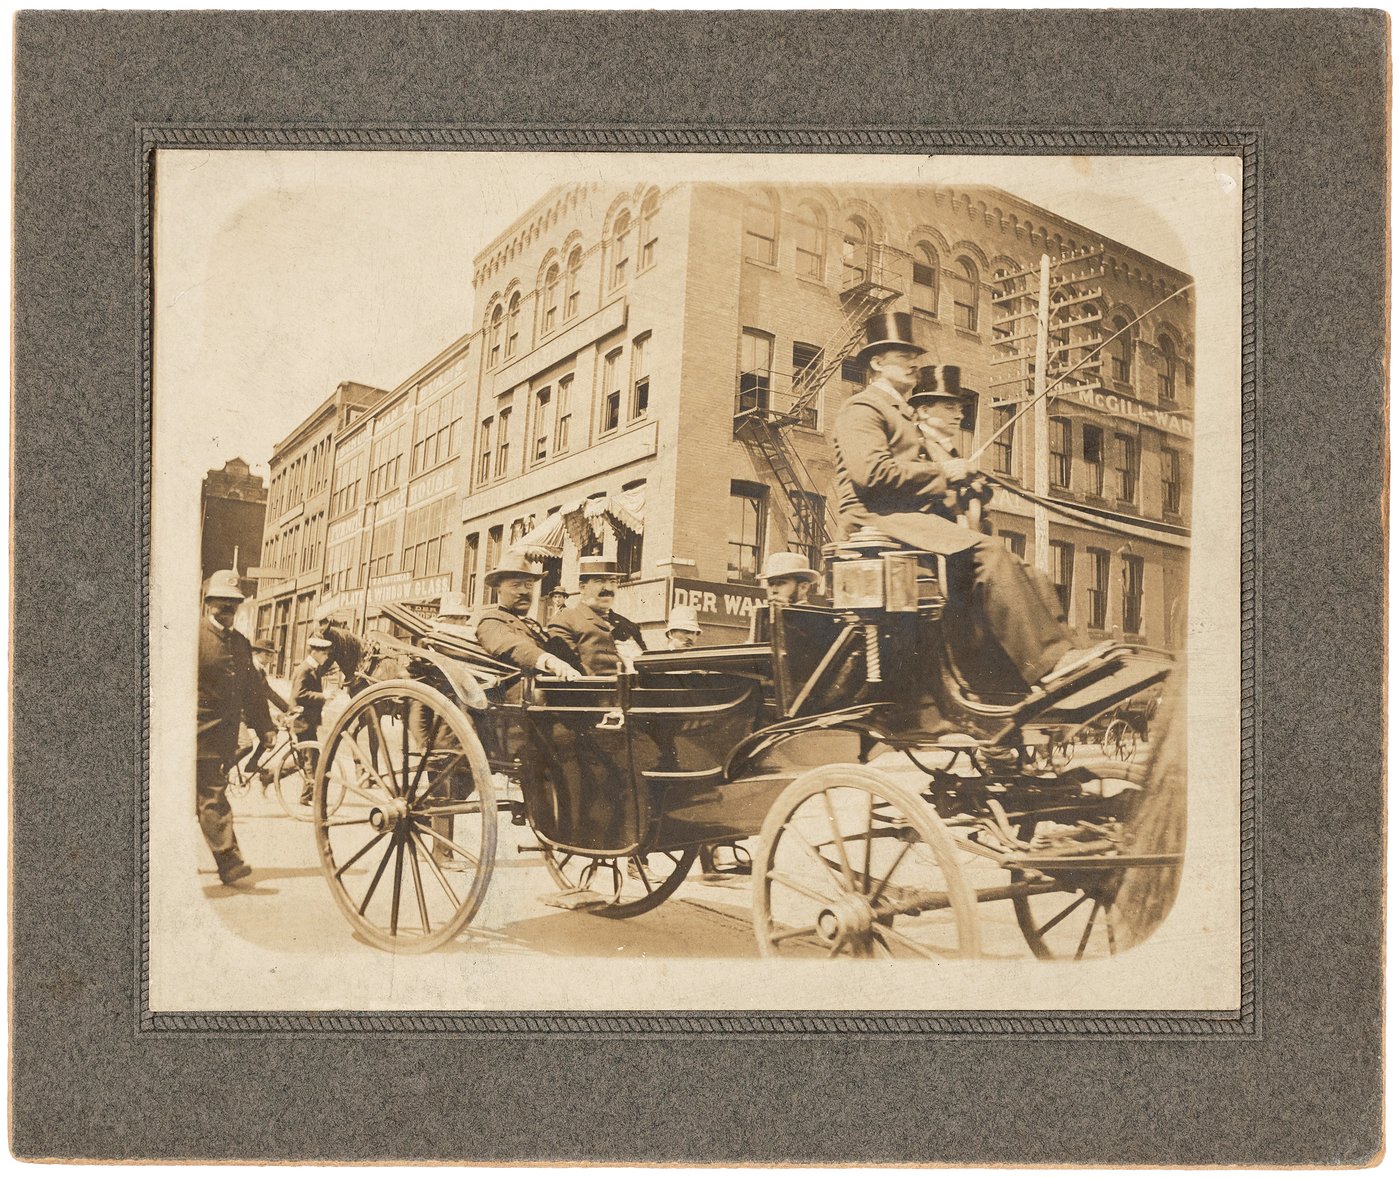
{"x": 358, "y": 855}
{"x": 375, "y": 728}
{"x": 792, "y": 934}
{"x": 1088, "y": 929}
{"x": 458, "y": 849}
{"x": 642, "y": 873}
{"x": 889, "y": 931}
{"x": 378, "y": 875}
{"x": 799, "y": 887}
{"x": 826, "y": 865}
{"x": 840, "y": 842}
{"x": 884, "y": 883}
{"x": 418, "y": 886}
{"x": 398, "y": 890}
{"x": 436, "y": 870}
{"x": 869, "y": 834}
{"x": 1059, "y": 916}
{"x": 367, "y": 767}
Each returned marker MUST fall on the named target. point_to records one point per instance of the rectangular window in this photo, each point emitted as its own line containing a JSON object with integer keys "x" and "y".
{"x": 543, "y": 424}
{"x": 1062, "y": 572}
{"x": 1171, "y": 481}
{"x": 748, "y": 510}
{"x": 383, "y": 548}
{"x": 503, "y": 443}
{"x": 493, "y": 555}
{"x": 1061, "y": 451}
{"x": 641, "y": 376}
{"x": 816, "y": 523}
{"x": 853, "y": 370}
{"x": 761, "y": 231}
{"x": 811, "y": 250}
{"x": 1003, "y": 449}
{"x": 755, "y": 369}
{"x": 1016, "y": 541}
{"x": 483, "y": 469}
{"x": 1129, "y": 458}
{"x": 1132, "y": 595}
{"x": 562, "y": 415}
{"x": 612, "y": 390}
{"x": 1098, "y": 589}
{"x": 472, "y": 551}
{"x": 923, "y": 295}
{"x": 805, "y": 356}
{"x": 1093, "y": 458}
{"x": 425, "y": 540}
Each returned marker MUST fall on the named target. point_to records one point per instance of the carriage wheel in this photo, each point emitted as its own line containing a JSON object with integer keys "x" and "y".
{"x": 852, "y": 864}
{"x": 1119, "y": 740}
{"x": 409, "y": 850}
{"x": 632, "y": 884}
{"x": 1102, "y": 910}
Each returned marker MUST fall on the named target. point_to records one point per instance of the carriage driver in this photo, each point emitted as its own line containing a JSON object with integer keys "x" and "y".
{"x": 229, "y": 688}
{"x": 506, "y": 631}
{"x": 887, "y": 482}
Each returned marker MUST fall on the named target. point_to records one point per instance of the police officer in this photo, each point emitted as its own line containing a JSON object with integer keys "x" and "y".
{"x": 229, "y": 690}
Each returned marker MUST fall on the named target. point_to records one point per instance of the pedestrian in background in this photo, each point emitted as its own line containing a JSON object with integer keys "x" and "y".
{"x": 230, "y": 691}
{"x": 787, "y": 580}
{"x": 683, "y": 628}
{"x": 309, "y": 695}
{"x": 262, "y": 653}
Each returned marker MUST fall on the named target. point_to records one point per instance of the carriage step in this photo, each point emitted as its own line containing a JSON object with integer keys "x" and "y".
{"x": 575, "y": 900}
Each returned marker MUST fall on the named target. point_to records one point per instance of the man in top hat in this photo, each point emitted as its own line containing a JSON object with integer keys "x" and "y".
{"x": 229, "y": 690}
{"x": 308, "y": 694}
{"x": 942, "y": 408}
{"x": 682, "y": 628}
{"x": 587, "y": 633}
{"x": 506, "y": 630}
{"x": 886, "y": 481}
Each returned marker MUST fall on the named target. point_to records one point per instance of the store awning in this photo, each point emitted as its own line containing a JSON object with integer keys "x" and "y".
{"x": 625, "y": 510}
{"x": 545, "y": 540}
{"x": 583, "y": 522}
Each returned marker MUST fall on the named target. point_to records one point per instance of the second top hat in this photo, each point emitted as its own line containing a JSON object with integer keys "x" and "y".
{"x": 889, "y": 329}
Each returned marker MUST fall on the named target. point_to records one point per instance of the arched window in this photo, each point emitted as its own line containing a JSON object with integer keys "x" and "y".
{"x": 811, "y": 242}
{"x": 963, "y": 282}
{"x": 498, "y": 318}
{"x": 513, "y": 326}
{"x": 550, "y": 318}
{"x": 647, "y": 231}
{"x": 923, "y": 290}
{"x": 571, "y": 279}
{"x": 1166, "y": 379}
{"x": 855, "y": 253}
{"x": 621, "y": 249}
{"x": 1121, "y": 351}
{"x": 761, "y": 229}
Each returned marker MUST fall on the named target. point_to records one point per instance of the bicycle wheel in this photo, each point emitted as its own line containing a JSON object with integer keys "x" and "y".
{"x": 292, "y": 778}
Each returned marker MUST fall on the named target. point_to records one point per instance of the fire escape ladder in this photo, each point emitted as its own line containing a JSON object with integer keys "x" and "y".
{"x": 859, "y": 304}
{"x": 773, "y": 443}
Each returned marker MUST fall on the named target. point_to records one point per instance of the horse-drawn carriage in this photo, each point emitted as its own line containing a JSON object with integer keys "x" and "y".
{"x": 624, "y": 778}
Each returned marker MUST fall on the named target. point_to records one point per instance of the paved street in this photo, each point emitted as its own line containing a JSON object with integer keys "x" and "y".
{"x": 290, "y": 907}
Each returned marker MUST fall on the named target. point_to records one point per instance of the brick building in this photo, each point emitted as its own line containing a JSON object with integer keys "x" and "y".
{"x": 233, "y": 502}
{"x": 294, "y": 538}
{"x": 598, "y": 307}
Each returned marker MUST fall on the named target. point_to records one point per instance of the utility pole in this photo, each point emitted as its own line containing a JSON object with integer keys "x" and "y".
{"x": 1041, "y": 418}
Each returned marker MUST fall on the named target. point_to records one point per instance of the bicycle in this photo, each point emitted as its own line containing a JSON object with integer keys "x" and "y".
{"x": 240, "y": 779}
{"x": 291, "y": 770}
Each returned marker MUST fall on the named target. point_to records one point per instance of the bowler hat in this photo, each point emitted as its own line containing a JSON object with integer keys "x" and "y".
{"x": 223, "y": 586}
{"x": 596, "y": 566}
{"x": 889, "y": 329}
{"x": 513, "y": 564}
{"x": 788, "y": 564}
{"x": 454, "y": 605}
{"x": 265, "y": 647}
{"x": 683, "y": 617}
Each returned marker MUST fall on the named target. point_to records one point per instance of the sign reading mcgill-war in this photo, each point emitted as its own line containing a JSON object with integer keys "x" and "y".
{"x": 768, "y": 582}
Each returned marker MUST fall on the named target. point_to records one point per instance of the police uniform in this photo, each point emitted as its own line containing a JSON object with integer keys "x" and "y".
{"x": 508, "y": 636}
{"x": 230, "y": 690}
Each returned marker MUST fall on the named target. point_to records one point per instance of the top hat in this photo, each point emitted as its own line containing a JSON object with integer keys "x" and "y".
{"x": 788, "y": 564}
{"x": 454, "y": 605}
{"x": 513, "y": 564}
{"x": 888, "y": 329}
{"x": 683, "y": 617}
{"x": 596, "y": 566}
{"x": 938, "y": 382}
{"x": 223, "y": 586}
{"x": 319, "y": 644}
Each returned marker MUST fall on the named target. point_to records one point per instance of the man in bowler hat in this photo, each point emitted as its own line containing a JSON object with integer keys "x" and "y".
{"x": 229, "y": 690}
{"x": 887, "y": 481}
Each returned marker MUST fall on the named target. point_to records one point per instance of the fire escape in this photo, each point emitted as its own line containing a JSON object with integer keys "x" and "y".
{"x": 765, "y": 414}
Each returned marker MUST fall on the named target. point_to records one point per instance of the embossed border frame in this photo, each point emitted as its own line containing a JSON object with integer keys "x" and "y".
{"x": 1242, "y": 143}
{"x": 88, "y": 1080}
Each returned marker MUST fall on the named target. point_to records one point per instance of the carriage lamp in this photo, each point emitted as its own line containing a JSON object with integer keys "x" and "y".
{"x": 870, "y": 580}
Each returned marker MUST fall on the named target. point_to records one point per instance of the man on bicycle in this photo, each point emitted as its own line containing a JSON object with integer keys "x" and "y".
{"x": 308, "y": 694}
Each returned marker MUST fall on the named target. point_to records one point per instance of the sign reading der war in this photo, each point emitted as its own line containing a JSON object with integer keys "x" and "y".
{"x": 717, "y": 603}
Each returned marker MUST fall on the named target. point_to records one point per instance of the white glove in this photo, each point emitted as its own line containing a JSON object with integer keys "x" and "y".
{"x": 551, "y": 665}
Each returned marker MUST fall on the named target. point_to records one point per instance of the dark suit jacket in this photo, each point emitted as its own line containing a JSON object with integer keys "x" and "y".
{"x": 346, "y": 651}
{"x": 885, "y": 480}
{"x": 308, "y": 696}
{"x": 504, "y": 635}
{"x": 585, "y": 639}
{"x": 230, "y": 688}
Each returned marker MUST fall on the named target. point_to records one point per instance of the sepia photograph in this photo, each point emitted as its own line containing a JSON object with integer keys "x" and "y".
{"x": 663, "y": 581}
